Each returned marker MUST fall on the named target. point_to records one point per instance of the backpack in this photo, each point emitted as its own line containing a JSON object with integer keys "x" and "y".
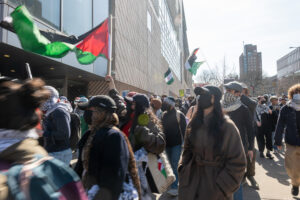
{"x": 75, "y": 130}
{"x": 43, "y": 178}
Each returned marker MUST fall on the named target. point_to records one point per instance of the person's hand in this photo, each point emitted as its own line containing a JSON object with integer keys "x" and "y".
{"x": 270, "y": 111}
{"x": 110, "y": 80}
{"x": 250, "y": 154}
{"x": 258, "y": 124}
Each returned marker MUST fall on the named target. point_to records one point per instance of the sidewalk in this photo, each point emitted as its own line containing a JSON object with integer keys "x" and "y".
{"x": 272, "y": 179}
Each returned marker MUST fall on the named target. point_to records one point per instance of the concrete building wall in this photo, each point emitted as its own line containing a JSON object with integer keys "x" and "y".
{"x": 138, "y": 60}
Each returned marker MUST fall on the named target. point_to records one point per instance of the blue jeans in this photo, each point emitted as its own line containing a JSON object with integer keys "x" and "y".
{"x": 173, "y": 154}
{"x": 238, "y": 195}
{"x": 64, "y": 156}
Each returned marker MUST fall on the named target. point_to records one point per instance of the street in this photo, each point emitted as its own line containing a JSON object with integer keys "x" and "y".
{"x": 272, "y": 178}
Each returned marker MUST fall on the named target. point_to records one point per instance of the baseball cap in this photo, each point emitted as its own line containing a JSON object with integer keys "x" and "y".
{"x": 100, "y": 101}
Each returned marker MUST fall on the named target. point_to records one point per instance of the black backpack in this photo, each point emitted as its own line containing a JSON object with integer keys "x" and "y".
{"x": 75, "y": 130}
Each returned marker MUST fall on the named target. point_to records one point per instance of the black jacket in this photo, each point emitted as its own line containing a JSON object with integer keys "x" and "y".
{"x": 251, "y": 104}
{"x": 57, "y": 130}
{"x": 171, "y": 128}
{"x": 273, "y": 118}
{"x": 109, "y": 158}
{"x": 288, "y": 119}
{"x": 242, "y": 119}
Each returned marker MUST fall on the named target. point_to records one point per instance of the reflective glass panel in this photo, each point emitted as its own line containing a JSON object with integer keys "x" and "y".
{"x": 45, "y": 10}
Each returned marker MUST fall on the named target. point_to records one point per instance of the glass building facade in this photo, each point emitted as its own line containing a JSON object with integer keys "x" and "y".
{"x": 170, "y": 48}
{"x": 71, "y": 17}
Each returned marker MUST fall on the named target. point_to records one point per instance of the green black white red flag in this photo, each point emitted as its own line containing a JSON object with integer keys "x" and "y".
{"x": 191, "y": 65}
{"x": 94, "y": 45}
{"x": 169, "y": 77}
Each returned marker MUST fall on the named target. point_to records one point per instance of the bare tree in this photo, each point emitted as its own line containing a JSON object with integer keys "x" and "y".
{"x": 210, "y": 76}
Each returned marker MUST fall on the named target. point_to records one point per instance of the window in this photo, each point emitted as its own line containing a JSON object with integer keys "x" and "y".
{"x": 45, "y": 10}
{"x": 170, "y": 48}
{"x": 100, "y": 11}
{"x": 149, "y": 24}
{"x": 77, "y": 16}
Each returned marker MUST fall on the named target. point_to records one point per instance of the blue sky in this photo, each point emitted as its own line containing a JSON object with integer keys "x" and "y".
{"x": 219, "y": 28}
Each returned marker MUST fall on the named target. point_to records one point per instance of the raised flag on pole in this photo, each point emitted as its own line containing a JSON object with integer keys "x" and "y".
{"x": 93, "y": 45}
{"x": 191, "y": 65}
{"x": 169, "y": 77}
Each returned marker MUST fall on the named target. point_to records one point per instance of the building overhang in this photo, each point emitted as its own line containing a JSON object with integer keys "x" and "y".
{"x": 12, "y": 63}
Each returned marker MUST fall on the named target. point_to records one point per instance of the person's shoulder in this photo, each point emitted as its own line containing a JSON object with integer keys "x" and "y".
{"x": 60, "y": 112}
{"x": 114, "y": 132}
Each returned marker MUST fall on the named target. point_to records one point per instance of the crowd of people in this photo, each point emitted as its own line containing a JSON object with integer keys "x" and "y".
{"x": 201, "y": 147}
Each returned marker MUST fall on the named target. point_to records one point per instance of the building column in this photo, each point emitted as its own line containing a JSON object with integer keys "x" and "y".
{"x": 65, "y": 87}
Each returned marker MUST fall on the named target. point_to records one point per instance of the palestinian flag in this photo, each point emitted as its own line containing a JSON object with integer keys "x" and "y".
{"x": 169, "y": 77}
{"x": 94, "y": 45}
{"x": 191, "y": 65}
{"x": 161, "y": 168}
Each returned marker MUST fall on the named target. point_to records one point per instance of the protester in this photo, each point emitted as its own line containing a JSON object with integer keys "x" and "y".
{"x": 273, "y": 118}
{"x": 174, "y": 125}
{"x": 187, "y": 104}
{"x": 213, "y": 160}
{"x": 83, "y": 125}
{"x": 156, "y": 105}
{"x": 283, "y": 100}
{"x": 56, "y": 126}
{"x": 105, "y": 156}
{"x": 289, "y": 118}
{"x": 251, "y": 104}
{"x": 20, "y": 154}
{"x": 192, "y": 109}
{"x": 264, "y": 133}
{"x": 240, "y": 115}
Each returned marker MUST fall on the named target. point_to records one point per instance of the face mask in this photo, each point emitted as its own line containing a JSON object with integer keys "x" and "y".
{"x": 296, "y": 98}
{"x": 230, "y": 98}
{"x": 87, "y": 116}
{"x": 204, "y": 101}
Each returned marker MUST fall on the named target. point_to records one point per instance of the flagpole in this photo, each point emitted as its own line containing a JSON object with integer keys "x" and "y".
{"x": 110, "y": 47}
{"x": 28, "y": 70}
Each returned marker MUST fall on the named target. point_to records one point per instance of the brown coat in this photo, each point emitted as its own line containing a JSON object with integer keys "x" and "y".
{"x": 201, "y": 176}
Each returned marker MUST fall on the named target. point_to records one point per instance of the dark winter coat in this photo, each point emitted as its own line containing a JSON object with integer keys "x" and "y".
{"x": 202, "y": 175}
{"x": 108, "y": 161}
{"x": 57, "y": 130}
{"x": 288, "y": 119}
{"x": 242, "y": 119}
{"x": 173, "y": 133}
{"x": 251, "y": 104}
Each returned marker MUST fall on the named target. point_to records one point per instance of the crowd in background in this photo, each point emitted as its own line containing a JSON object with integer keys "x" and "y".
{"x": 113, "y": 147}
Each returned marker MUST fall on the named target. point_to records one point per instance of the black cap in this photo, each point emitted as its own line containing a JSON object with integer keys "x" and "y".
{"x": 213, "y": 90}
{"x": 101, "y": 101}
{"x": 142, "y": 100}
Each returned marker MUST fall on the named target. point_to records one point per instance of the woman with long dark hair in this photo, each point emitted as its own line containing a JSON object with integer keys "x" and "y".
{"x": 213, "y": 161}
{"x": 145, "y": 136}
